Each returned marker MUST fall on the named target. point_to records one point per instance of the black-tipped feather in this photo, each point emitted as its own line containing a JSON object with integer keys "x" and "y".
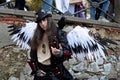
{"x": 21, "y": 35}
{"x": 10, "y": 30}
{"x": 111, "y": 49}
{"x": 24, "y": 39}
{"x": 110, "y": 41}
{"x": 11, "y": 26}
{"x": 81, "y": 42}
{"x": 105, "y": 51}
{"x": 15, "y": 31}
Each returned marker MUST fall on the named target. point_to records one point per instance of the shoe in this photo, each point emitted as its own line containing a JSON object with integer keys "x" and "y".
{"x": 103, "y": 19}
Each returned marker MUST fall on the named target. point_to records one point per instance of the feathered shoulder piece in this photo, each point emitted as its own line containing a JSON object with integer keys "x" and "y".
{"x": 84, "y": 45}
{"x": 22, "y": 35}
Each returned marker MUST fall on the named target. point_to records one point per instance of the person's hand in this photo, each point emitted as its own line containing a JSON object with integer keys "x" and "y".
{"x": 56, "y": 51}
{"x": 41, "y": 73}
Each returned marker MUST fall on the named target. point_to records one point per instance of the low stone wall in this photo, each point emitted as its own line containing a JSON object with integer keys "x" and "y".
{"x": 81, "y": 70}
{"x": 110, "y": 33}
{"x": 84, "y": 70}
{"x": 5, "y": 39}
{"x": 96, "y": 70}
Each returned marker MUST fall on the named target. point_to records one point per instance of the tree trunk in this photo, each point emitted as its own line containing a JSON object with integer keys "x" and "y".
{"x": 117, "y": 10}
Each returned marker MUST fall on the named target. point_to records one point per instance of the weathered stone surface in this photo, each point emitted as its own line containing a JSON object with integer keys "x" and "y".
{"x": 13, "y": 65}
{"x": 94, "y": 78}
{"x": 5, "y": 39}
{"x": 13, "y": 78}
{"x": 107, "y": 68}
{"x": 118, "y": 67}
{"x": 93, "y": 67}
{"x": 18, "y": 69}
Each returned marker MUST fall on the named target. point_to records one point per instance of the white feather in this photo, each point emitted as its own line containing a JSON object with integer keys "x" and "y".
{"x": 28, "y": 31}
{"x": 79, "y": 37}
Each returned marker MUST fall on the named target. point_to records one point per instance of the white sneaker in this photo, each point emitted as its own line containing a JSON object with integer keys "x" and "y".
{"x": 103, "y": 19}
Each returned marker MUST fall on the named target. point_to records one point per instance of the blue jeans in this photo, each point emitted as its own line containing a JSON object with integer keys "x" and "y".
{"x": 104, "y": 8}
{"x": 46, "y": 7}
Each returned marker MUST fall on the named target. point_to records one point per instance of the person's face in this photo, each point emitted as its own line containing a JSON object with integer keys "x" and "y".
{"x": 43, "y": 24}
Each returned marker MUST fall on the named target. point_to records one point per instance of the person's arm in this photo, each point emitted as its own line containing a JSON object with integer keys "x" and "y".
{"x": 33, "y": 64}
{"x": 64, "y": 51}
{"x": 64, "y": 43}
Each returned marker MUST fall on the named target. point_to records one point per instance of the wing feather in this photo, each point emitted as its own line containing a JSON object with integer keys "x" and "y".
{"x": 22, "y": 36}
{"x": 84, "y": 45}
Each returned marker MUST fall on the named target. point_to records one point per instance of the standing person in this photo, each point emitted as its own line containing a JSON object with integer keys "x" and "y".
{"x": 47, "y": 7}
{"x": 9, "y": 5}
{"x": 49, "y": 48}
{"x": 105, "y": 6}
{"x": 76, "y": 6}
{"x": 20, "y": 4}
{"x": 111, "y": 11}
{"x": 62, "y": 5}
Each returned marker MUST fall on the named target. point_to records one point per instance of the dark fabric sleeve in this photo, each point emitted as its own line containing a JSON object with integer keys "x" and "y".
{"x": 64, "y": 43}
{"x": 33, "y": 55}
{"x": 33, "y": 62}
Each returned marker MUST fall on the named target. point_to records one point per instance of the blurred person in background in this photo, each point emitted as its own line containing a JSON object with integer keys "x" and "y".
{"x": 93, "y": 11}
{"x": 20, "y": 4}
{"x": 47, "y": 7}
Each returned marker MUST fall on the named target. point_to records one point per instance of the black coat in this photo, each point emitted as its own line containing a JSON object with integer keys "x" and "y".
{"x": 56, "y": 62}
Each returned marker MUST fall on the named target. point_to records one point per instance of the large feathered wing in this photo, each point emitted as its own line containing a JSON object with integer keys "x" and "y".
{"x": 22, "y": 36}
{"x": 84, "y": 45}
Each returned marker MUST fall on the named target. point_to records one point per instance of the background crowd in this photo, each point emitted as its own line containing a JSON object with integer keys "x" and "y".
{"x": 101, "y": 10}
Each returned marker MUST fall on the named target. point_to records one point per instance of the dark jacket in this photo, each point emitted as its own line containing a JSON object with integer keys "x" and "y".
{"x": 57, "y": 68}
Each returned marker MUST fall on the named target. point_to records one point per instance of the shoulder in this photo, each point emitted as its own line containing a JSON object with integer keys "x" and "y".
{"x": 62, "y": 33}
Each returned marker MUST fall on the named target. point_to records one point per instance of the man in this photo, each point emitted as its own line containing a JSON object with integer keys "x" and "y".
{"x": 93, "y": 11}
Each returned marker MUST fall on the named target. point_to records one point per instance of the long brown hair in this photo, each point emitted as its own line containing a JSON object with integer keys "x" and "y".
{"x": 38, "y": 35}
